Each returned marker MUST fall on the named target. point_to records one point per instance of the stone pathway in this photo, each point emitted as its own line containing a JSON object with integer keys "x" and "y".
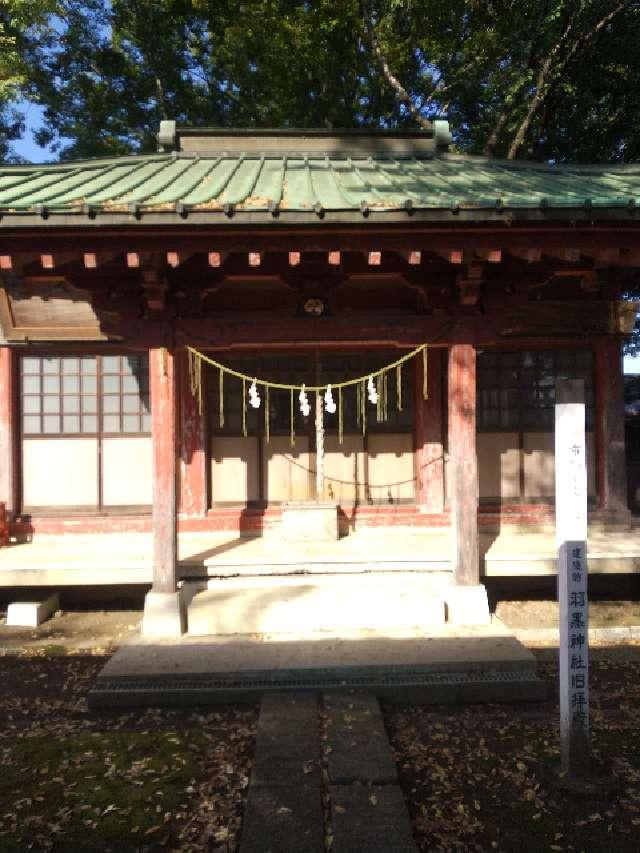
{"x": 324, "y": 778}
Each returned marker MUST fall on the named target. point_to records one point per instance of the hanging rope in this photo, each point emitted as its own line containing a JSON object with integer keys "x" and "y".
{"x": 198, "y": 356}
{"x": 244, "y": 408}
{"x": 221, "y": 397}
{"x": 425, "y": 374}
{"x": 195, "y": 377}
{"x": 377, "y": 379}
{"x": 341, "y": 416}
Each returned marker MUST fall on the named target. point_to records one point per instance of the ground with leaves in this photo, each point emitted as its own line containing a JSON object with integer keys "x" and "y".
{"x": 476, "y": 778}
{"x": 73, "y": 780}
{"x": 485, "y": 777}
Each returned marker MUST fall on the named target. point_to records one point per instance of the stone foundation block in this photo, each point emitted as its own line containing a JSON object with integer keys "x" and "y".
{"x": 307, "y": 606}
{"x": 30, "y": 614}
{"x": 164, "y": 614}
{"x": 310, "y": 522}
{"x": 468, "y": 605}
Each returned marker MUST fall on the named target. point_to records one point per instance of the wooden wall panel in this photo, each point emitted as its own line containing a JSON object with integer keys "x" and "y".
{"x": 234, "y": 469}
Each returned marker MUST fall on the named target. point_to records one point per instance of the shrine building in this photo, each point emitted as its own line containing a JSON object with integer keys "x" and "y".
{"x": 142, "y": 295}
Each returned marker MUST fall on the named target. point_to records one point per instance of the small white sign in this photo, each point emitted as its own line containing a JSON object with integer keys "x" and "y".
{"x": 571, "y": 537}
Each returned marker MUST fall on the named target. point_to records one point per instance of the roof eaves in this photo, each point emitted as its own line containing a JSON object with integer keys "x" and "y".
{"x": 452, "y": 215}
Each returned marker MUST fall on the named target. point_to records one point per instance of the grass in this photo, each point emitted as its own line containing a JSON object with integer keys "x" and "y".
{"x": 104, "y": 791}
{"x": 74, "y": 781}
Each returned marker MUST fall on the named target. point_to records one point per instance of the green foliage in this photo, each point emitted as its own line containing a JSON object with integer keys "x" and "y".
{"x": 556, "y": 79}
{"x": 21, "y": 22}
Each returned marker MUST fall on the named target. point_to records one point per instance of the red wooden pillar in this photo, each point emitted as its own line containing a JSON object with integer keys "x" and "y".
{"x": 463, "y": 466}
{"x": 428, "y": 434}
{"x": 163, "y": 615}
{"x": 610, "y": 450}
{"x": 8, "y": 431}
{"x": 193, "y": 455}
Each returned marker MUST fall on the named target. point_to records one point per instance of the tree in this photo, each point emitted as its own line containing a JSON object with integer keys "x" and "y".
{"x": 555, "y": 79}
{"x": 20, "y": 22}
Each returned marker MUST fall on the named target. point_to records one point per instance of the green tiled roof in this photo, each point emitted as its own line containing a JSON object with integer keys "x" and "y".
{"x": 264, "y": 186}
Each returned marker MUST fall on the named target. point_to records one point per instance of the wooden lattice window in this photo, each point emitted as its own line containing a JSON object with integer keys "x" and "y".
{"x": 516, "y": 390}
{"x": 85, "y": 395}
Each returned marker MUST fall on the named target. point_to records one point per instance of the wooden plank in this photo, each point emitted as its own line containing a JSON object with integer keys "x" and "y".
{"x": 463, "y": 473}
{"x": 528, "y": 254}
{"x": 330, "y": 238}
{"x": 163, "y": 433}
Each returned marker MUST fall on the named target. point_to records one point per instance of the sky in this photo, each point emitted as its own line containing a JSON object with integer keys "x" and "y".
{"x": 27, "y": 148}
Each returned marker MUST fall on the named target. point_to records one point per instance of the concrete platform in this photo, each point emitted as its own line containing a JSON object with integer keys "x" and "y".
{"x": 447, "y": 665}
{"x": 119, "y": 558}
{"x": 327, "y": 605}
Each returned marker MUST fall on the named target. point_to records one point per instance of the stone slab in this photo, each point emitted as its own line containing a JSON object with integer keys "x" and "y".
{"x": 359, "y": 749}
{"x": 314, "y": 522}
{"x": 447, "y": 665}
{"x": 30, "y": 614}
{"x": 372, "y": 819}
{"x": 287, "y": 741}
{"x": 307, "y": 605}
{"x": 283, "y": 819}
{"x": 164, "y": 614}
{"x": 441, "y": 649}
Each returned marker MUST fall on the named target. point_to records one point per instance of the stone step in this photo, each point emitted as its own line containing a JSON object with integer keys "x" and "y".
{"x": 479, "y": 664}
{"x": 308, "y": 605}
{"x": 295, "y": 564}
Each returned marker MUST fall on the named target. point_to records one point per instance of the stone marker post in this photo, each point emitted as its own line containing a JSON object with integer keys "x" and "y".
{"x": 571, "y": 538}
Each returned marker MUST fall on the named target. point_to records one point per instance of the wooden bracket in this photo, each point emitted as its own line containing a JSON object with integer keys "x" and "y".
{"x": 469, "y": 282}
{"x": 154, "y": 282}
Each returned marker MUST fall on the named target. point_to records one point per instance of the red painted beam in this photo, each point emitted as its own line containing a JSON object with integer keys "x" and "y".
{"x": 8, "y": 430}
{"x": 163, "y": 435}
{"x": 463, "y": 478}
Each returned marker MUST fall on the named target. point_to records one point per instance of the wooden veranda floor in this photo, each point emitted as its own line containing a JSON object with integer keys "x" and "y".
{"x": 120, "y": 558}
